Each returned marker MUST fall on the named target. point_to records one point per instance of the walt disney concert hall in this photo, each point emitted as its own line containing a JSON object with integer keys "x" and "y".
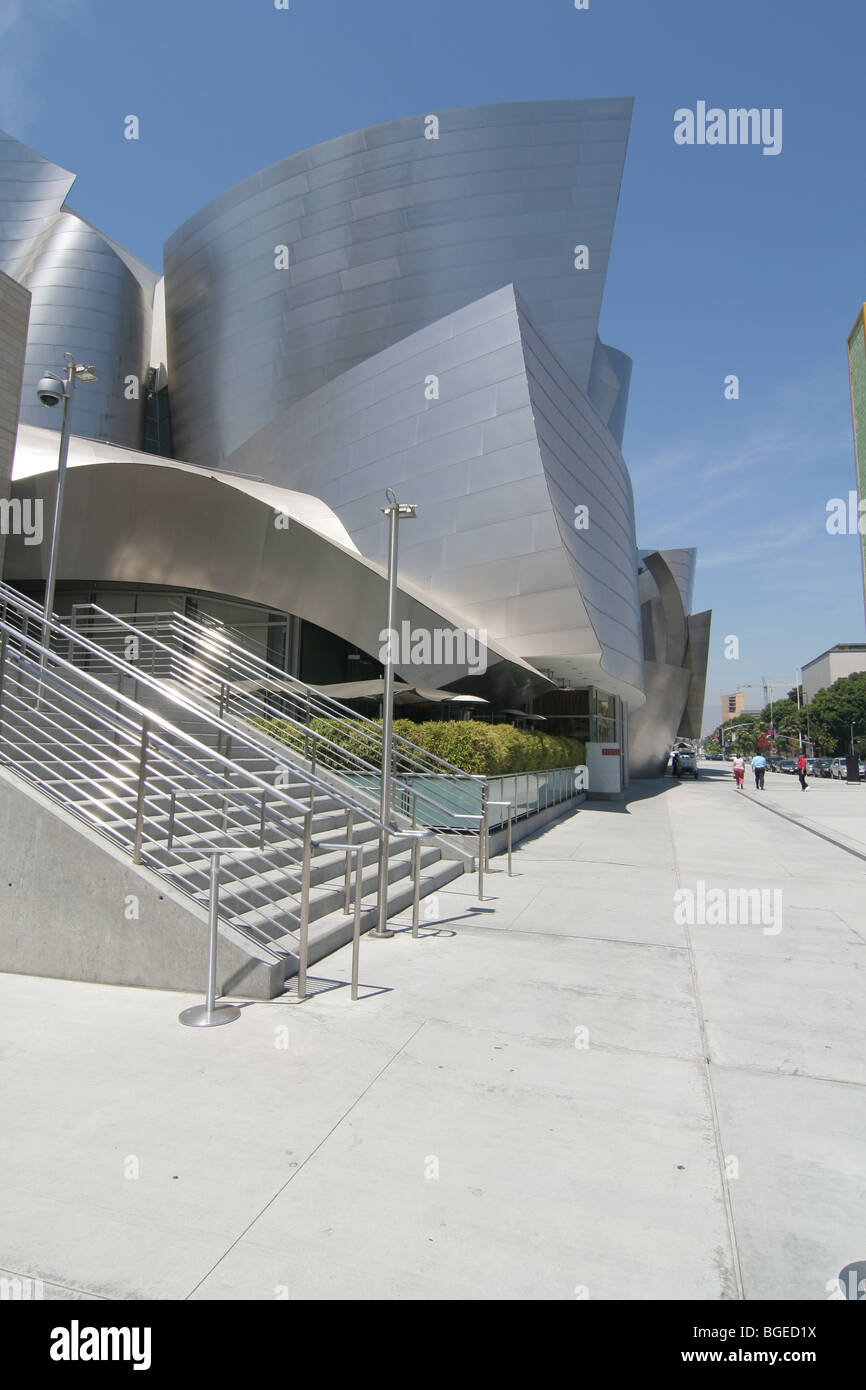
{"x": 413, "y": 306}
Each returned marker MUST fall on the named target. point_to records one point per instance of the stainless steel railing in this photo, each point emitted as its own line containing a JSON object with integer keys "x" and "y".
{"x": 446, "y": 806}
{"x": 132, "y": 775}
{"x": 205, "y": 661}
{"x": 153, "y": 667}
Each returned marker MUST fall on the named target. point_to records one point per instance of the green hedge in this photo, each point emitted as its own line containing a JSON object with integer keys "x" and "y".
{"x": 473, "y": 746}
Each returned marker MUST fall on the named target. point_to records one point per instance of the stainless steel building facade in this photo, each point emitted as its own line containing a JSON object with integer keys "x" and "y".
{"x": 413, "y": 306}
{"x": 386, "y": 231}
{"x": 88, "y": 296}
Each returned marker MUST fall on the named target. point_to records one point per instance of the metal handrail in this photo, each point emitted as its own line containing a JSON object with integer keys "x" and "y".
{"x": 73, "y": 638}
{"x": 65, "y": 719}
{"x": 155, "y": 738}
{"x": 277, "y": 681}
{"x": 510, "y": 807}
{"x": 227, "y": 693}
{"x": 123, "y": 668}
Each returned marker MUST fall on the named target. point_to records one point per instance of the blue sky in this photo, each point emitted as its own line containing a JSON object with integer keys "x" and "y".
{"x": 724, "y": 260}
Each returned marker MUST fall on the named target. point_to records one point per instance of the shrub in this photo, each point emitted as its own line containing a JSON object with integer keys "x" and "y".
{"x": 491, "y": 749}
{"x": 473, "y": 746}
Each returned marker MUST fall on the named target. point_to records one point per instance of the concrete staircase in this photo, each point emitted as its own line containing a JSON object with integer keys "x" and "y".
{"x": 76, "y": 739}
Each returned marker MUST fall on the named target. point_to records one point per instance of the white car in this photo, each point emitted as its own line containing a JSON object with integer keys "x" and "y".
{"x": 839, "y": 768}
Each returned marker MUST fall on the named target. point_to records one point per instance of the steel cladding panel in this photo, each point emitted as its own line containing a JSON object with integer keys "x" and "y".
{"x": 14, "y": 312}
{"x": 387, "y": 232}
{"x": 497, "y": 464}
{"x": 32, "y": 190}
{"x": 86, "y": 301}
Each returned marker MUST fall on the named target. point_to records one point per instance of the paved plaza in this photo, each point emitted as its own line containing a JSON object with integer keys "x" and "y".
{"x": 574, "y": 1089}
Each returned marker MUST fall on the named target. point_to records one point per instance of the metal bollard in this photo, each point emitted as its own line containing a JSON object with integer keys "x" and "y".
{"x": 356, "y": 932}
{"x": 303, "y": 933}
{"x": 416, "y": 885}
{"x": 350, "y": 820}
{"x": 210, "y": 1014}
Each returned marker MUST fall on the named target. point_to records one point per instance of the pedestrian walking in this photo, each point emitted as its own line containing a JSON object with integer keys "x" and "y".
{"x": 759, "y": 767}
{"x": 801, "y": 771}
{"x": 739, "y": 771}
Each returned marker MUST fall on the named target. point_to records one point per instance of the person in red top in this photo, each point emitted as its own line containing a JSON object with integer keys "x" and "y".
{"x": 801, "y": 771}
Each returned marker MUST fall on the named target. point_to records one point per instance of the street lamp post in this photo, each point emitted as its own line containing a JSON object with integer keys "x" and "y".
{"x": 395, "y": 512}
{"x": 51, "y": 389}
{"x": 769, "y": 686}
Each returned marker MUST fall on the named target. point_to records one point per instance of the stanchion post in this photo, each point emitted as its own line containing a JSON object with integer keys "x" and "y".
{"x": 347, "y": 895}
{"x": 303, "y": 935}
{"x": 208, "y": 1015}
{"x": 482, "y": 843}
{"x": 416, "y": 884}
{"x": 356, "y": 930}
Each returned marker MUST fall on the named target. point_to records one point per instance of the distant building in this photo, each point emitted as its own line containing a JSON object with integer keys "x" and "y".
{"x": 857, "y": 379}
{"x": 842, "y": 660}
{"x": 732, "y": 705}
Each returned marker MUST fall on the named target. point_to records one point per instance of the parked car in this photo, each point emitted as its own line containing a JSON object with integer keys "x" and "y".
{"x": 713, "y": 757}
{"x": 687, "y": 761}
{"x": 773, "y": 762}
{"x": 823, "y": 766}
{"x": 839, "y": 769}
{"x": 787, "y": 765}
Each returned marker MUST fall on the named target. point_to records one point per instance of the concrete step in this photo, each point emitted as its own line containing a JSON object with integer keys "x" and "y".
{"x": 328, "y": 934}
{"x": 326, "y": 898}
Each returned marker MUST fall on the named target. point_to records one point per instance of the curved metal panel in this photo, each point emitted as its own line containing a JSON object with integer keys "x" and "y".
{"x": 86, "y": 300}
{"x": 14, "y": 313}
{"x": 609, "y": 381}
{"x": 697, "y": 656}
{"x": 32, "y": 191}
{"x": 673, "y": 651}
{"x": 497, "y": 464}
{"x": 652, "y": 729}
{"x": 131, "y": 519}
{"x": 387, "y": 231}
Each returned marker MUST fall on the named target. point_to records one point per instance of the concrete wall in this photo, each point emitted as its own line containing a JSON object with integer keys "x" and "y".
{"x": 14, "y": 316}
{"x": 64, "y": 896}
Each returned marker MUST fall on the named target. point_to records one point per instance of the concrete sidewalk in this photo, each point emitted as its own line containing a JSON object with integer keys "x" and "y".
{"x": 563, "y": 1091}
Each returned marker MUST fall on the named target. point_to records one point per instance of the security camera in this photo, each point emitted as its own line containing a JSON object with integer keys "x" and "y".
{"x": 50, "y": 389}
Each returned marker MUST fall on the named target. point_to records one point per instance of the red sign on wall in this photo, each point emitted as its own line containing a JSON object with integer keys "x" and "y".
{"x": 610, "y": 752}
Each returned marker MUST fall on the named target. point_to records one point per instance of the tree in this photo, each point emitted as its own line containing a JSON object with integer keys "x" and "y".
{"x": 834, "y": 710}
{"x": 786, "y": 717}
